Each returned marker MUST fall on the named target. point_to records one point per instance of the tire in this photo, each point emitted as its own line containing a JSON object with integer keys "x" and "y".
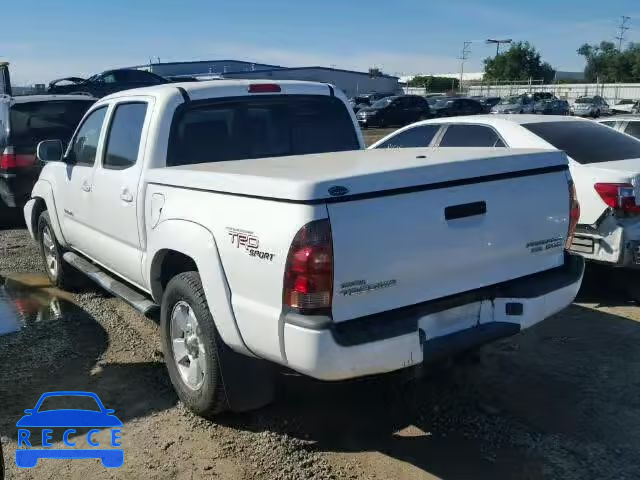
{"x": 194, "y": 370}
{"x": 60, "y": 273}
{"x": 596, "y": 114}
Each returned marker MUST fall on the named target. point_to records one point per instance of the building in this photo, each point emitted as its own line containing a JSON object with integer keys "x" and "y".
{"x": 349, "y": 81}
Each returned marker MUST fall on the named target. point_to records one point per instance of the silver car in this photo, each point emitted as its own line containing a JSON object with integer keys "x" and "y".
{"x": 590, "y": 107}
{"x": 515, "y": 104}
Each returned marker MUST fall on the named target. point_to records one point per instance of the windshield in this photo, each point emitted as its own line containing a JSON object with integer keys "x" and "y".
{"x": 510, "y": 100}
{"x": 586, "y": 141}
{"x": 585, "y": 100}
{"x": 256, "y": 127}
{"x": 383, "y": 102}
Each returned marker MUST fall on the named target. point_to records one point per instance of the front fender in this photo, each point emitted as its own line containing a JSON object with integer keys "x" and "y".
{"x": 44, "y": 190}
{"x": 197, "y": 242}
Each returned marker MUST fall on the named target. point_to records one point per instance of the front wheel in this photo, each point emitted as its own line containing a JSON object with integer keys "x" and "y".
{"x": 190, "y": 346}
{"x": 60, "y": 273}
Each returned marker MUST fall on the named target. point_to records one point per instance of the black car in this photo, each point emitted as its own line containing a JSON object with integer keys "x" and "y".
{"x": 551, "y": 107}
{"x": 367, "y": 99}
{"x": 488, "y": 103}
{"x": 24, "y": 122}
{"x": 394, "y": 111}
{"x": 106, "y": 83}
{"x": 454, "y": 106}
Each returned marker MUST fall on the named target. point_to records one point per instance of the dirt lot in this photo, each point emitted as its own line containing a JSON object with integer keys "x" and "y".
{"x": 372, "y": 135}
{"x": 561, "y": 401}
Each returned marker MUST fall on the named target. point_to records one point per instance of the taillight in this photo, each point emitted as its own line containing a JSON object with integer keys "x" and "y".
{"x": 8, "y": 160}
{"x": 574, "y": 214}
{"x": 264, "y": 88}
{"x": 619, "y": 196}
{"x": 308, "y": 276}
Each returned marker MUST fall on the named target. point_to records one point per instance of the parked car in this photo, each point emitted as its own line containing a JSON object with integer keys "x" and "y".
{"x": 514, "y": 104}
{"x": 367, "y": 99}
{"x": 629, "y": 124}
{"x": 488, "y": 103}
{"x": 393, "y": 111}
{"x": 283, "y": 272}
{"x": 605, "y": 166}
{"x": 624, "y": 106}
{"x": 25, "y": 121}
{"x": 453, "y": 106}
{"x": 590, "y": 107}
{"x": 106, "y": 82}
{"x": 551, "y": 107}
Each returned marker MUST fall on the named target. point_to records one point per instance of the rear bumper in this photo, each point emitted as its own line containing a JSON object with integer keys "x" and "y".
{"x": 615, "y": 242}
{"x": 15, "y": 188}
{"x": 425, "y": 332}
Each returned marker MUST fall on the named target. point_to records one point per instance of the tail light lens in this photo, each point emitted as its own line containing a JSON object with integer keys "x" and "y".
{"x": 9, "y": 159}
{"x": 574, "y": 214}
{"x": 264, "y": 88}
{"x": 619, "y": 196}
{"x": 308, "y": 276}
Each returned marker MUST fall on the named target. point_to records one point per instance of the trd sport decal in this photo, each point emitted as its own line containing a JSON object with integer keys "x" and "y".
{"x": 249, "y": 242}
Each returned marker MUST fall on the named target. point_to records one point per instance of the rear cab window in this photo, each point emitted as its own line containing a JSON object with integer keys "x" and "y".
{"x": 32, "y": 122}
{"x": 586, "y": 141}
{"x": 256, "y": 127}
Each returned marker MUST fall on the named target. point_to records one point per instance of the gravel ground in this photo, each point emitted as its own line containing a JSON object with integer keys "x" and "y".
{"x": 560, "y": 401}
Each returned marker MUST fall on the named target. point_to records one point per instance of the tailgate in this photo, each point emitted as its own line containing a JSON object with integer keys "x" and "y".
{"x": 442, "y": 239}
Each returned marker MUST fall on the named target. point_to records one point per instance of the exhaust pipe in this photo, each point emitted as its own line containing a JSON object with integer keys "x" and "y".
{"x": 5, "y": 80}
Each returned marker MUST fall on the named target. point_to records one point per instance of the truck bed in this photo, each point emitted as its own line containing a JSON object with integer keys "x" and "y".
{"x": 309, "y": 178}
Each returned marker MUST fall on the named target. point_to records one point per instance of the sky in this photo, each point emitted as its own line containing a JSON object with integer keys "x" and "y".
{"x": 44, "y": 40}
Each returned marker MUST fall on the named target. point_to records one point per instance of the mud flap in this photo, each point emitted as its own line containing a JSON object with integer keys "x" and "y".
{"x": 248, "y": 382}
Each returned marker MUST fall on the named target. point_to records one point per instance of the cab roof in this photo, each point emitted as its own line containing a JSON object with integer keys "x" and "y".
{"x": 218, "y": 88}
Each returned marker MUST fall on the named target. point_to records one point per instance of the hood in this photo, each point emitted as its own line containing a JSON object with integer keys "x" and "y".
{"x": 67, "y": 79}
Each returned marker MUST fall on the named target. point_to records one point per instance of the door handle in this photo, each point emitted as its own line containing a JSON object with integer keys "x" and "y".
{"x": 86, "y": 186}
{"x": 126, "y": 196}
{"x": 465, "y": 210}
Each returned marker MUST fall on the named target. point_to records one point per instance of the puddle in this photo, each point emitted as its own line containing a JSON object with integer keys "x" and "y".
{"x": 27, "y": 299}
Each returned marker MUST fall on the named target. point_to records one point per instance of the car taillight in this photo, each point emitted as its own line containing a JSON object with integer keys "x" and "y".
{"x": 619, "y": 196}
{"x": 308, "y": 276}
{"x": 9, "y": 159}
{"x": 574, "y": 214}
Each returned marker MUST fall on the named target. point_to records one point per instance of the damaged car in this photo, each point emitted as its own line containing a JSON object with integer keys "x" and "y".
{"x": 106, "y": 83}
{"x": 604, "y": 164}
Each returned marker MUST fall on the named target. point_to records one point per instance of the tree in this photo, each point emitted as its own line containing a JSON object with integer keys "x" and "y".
{"x": 434, "y": 84}
{"x": 521, "y": 62}
{"x": 375, "y": 72}
{"x": 605, "y": 63}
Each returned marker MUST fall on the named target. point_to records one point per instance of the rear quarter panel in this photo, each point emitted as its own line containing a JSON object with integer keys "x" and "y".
{"x": 238, "y": 226}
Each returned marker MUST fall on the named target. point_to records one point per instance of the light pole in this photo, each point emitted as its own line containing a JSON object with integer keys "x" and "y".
{"x": 465, "y": 54}
{"x": 498, "y": 42}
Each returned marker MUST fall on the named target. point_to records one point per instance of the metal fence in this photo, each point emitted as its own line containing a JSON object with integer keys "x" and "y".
{"x": 612, "y": 92}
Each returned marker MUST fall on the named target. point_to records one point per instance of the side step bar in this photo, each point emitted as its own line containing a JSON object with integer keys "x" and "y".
{"x": 137, "y": 300}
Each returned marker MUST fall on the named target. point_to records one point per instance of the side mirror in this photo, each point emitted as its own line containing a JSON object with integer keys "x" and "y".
{"x": 29, "y": 411}
{"x": 50, "y": 151}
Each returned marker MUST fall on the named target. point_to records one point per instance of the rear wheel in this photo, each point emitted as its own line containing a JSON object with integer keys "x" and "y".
{"x": 190, "y": 346}
{"x": 60, "y": 273}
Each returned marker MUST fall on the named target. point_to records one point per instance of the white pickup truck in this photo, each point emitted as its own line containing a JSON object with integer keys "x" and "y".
{"x": 250, "y": 213}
